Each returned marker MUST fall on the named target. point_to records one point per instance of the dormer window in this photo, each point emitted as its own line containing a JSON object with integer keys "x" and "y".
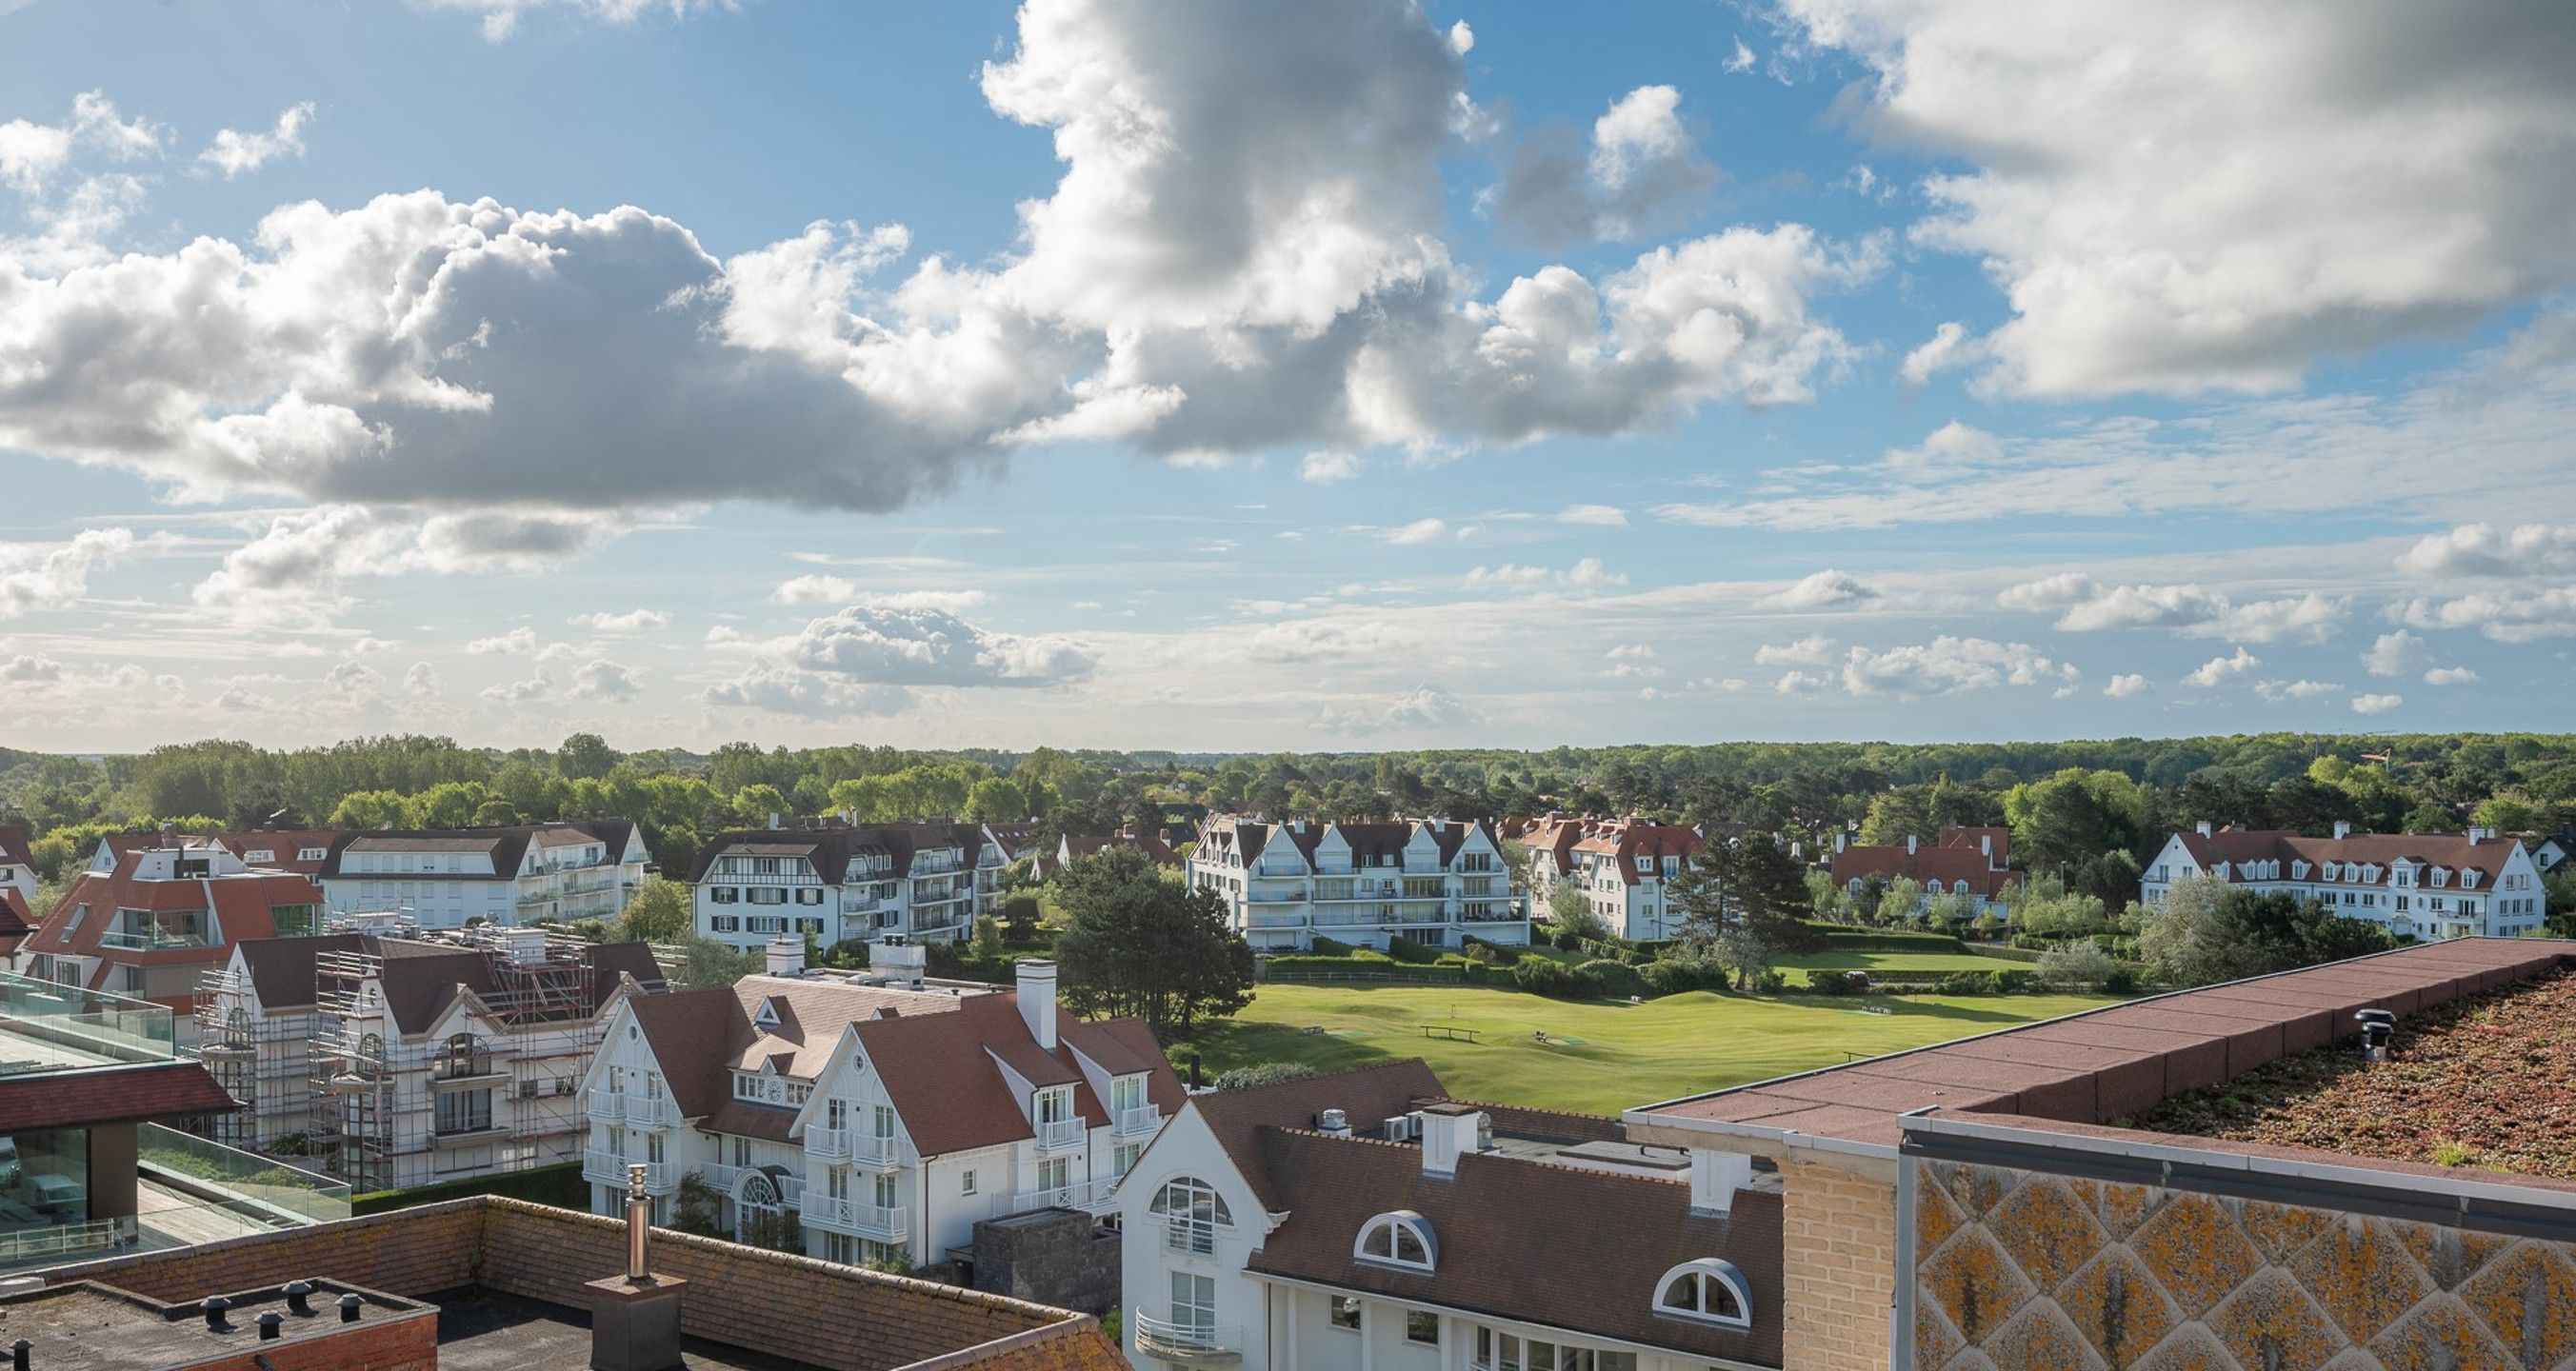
{"x": 2333, "y": 871}
{"x": 1401, "y": 1239}
{"x": 1708, "y": 1290}
{"x": 767, "y": 1015}
{"x": 2298, "y": 871}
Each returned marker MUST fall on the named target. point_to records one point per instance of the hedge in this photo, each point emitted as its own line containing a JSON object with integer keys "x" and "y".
{"x": 1542, "y": 976}
{"x": 1405, "y": 949}
{"x": 1669, "y": 977}
{"x": 1616, "y": 978}
{"x": 560, "y": 1186}
{"x": 1884, "y": 940}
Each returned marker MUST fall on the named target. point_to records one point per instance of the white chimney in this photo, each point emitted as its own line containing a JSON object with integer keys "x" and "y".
{"x": 2343, "y": 829}
{"x": 1335, "y": 1122}
{"x": 1909, "y": 844}
{"x": 1450, "y": 1131}
{"x": 773, "y": 821}
{"x": 1037, "y": 1000}
{"x": 2203, "y": 826}
{"x": 1715, "y": 1177}
{"x": 1841, "y": 841}
{"x": 2479, "y": 835}
{"x": 1986, "y": 844}
{"x": 901, "y": 961}
{"x": 786, "y": 957}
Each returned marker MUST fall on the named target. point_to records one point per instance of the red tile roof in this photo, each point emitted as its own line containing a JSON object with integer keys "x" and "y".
{"x": 1925, "y": 864}
{"x": 2454, "y": 851}
{"x": 2108, "y": 1063}
{"x": 13, "y": 846}
{"x": 243, "y": 906}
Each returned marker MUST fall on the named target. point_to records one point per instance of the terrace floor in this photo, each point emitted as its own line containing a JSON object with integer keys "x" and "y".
{"x": 2487, "y": 1082}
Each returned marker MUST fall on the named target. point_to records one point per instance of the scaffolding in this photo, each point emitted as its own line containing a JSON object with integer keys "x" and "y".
{"x": 257, "y": 1057}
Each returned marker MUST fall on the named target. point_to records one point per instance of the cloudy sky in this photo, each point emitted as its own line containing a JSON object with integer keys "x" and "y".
{"x": 1226, "y": 374}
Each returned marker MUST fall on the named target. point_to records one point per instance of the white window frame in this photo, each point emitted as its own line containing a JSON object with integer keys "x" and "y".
{"x": 1705, "y": 1274}
{"x": 1395, "y": 1224}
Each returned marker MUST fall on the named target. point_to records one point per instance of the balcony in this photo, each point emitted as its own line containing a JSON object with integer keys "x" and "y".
{"x": 1060, "y": 1135}
{"x": 152, "y": 939}
{"x": 881, "y": 1222}
{"x": 1265, "y": 919}
{"x": 1196, "y": 1236}
{"x": 1187, "y": 1344}
{"x": 643, "y": 1111}
{"x": 1091, "y": 1197}
{"x": 1138, "y": 1120}
{"x": 49, "y": 1027}
{"x": 609, "y": 1168}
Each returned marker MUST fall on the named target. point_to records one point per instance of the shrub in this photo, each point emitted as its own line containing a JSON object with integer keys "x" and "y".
{"x": 1672, "y": 976}
{"x": 1543, "y": 976}
{"x": 1616, "y": 978}
{"x": 1330, "y": 947}
{"x": 1772, "y": 981}
{"x": 1824, "y": 982}
{"x": 561, "y": 1186}
{"x": 1405, "y": 949}
{"x": 2123, "y": 980}
{"x": 2076, "y": 964}
{"x": 1565, "y": 939}
{"x": 1498, "y": 954}
{"x": 1609, "y": 949}
{"x": 1264, "y": 1073}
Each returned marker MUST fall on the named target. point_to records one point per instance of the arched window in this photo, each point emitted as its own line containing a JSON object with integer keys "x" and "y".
{"x": 1191, "y": 1211}
{"x": 457, "y": 1058}
{"x": 1709, "y": 1290}
{"x": 1402, "y": 1238}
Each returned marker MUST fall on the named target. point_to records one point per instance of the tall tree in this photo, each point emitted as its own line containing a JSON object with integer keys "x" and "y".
{"x": 1137, "y": 944}
{"x": 1751, "y": 884}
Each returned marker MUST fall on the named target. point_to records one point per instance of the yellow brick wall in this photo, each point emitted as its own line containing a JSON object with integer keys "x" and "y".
{"x": 1837, "y": 1268}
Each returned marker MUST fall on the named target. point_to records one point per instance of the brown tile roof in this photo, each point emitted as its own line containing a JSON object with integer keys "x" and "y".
{"x": 2107, "y": 1063}
{"x": 284, "y": 847}
{"x": 935, "y": 1054}
{"x": 243, "y": 905}
{"x": 2454, "y": 851}
{"x": 1509, "y": 1230}
{"x": 508, "y": 846}
{"x": 72, "y": 1099}
{"x": 1948, "y": 865}
{"x": 16, "y": 920}
{"x": 13, "y": 846}
{"x": 1368, "y": 1095}
{"x": 828, "y": 850}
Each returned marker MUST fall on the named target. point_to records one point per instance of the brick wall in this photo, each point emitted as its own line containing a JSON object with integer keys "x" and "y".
{"x": 407, "y": 1342}
{"x": 413, "y": 1252}
{"x": 1067, "y": 1261}
{"x": 1837, "y": 1268}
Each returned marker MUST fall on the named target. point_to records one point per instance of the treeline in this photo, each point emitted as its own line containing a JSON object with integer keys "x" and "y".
{"x": 2105, "y": 803}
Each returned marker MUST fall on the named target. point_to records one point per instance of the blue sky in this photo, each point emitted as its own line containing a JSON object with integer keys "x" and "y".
{"x": 1216, "y": 375}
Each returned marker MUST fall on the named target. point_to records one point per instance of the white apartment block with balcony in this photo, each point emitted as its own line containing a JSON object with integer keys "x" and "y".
{"x": 530, "y": 873}
{"x": 918, "y": 882}
{"x": 888, "y": 1119}
{"x": 1622, "y": 866}
{"x": 1434, "y": 881}
{"x": 2424, "y": 885}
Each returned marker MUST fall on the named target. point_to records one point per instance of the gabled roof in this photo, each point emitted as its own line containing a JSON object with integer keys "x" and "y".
{"x": 1948, "y": 865}
{"x": 1080, "y": 845}
{"x": 74, "y": 1099}
{"x": 829, "y": 850}
{"x": 508, "y": 846}
{"x": 16, "y": 920}
{"x": 1628, "y": 839}
{"x": 244, "y": 904}
{"x": 1509, "y": 1231}
{"x": 285, "y": 847}
{"x": 2456, "y": 851}
{"x": 934, "y": 1053}
{"x": 13, "y": 846}
{"x": 1980, "y": 838}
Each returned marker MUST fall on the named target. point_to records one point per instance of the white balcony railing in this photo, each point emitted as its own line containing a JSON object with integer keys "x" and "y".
{"x": 1188, "y": 1344}
{"x": 1190, "y": 1235}
{"x": 1137, "y": 1119}
{"x": 830, "y": 1143}
{"x": 643, "y": 1111}
{"x": 1057, "y": 1135}
{"x": 609, "y": 1168}
{"x": 882, "y": 1222}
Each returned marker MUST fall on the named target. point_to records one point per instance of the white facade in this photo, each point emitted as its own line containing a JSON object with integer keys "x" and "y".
{"x": 1623, "y": 867}
{"x": 1363, "y": 884}
{"x": 851, "y": 1167}
{"x": 922, "y": 882}
{"x": 513, "y": 876}
{"x": 2423, "y": 885}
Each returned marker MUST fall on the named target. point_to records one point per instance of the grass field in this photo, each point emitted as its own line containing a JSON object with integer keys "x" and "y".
{"x": 1603, "y": 1056}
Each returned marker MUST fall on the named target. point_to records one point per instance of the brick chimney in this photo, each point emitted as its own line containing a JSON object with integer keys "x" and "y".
{"x": 635, "y": 1318}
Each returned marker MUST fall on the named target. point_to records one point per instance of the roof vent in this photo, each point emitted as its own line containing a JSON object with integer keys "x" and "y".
{"x": 1335, "y": 1122}
{"x": 2377, "y": 1027}
{"x": 786, "y": 956}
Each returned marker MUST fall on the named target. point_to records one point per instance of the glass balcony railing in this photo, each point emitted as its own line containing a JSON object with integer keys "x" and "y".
{"x": 46, "y": 1027}
{"x": 245, "y": 1184}
{"x": 152, "y": 939}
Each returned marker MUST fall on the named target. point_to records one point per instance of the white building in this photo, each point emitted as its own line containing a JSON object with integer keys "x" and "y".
{"x": 920, "y": 882}
{"x": 1362, "y": 1221}
{"x": 402, "y": 1061}
{"x": 17, "y": 893}
{"x": 1434, "y": 881}
{"x": 1622, "y": 866}
{"x": 2425, "y": 885}
{"x": 527, "y": 873}
{"x": 887, "y": 1119}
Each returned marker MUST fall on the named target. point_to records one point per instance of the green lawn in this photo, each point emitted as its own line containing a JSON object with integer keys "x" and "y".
{"x": 1604, "y": 1056}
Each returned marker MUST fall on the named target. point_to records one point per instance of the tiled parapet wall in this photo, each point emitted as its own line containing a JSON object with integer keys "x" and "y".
{"x": 2020, "y": 1270}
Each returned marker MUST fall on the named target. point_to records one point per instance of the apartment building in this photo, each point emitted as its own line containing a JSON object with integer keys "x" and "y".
{"x": 1434, "y": 881}
{"x": 160, "y": 918}
{"x": 885, "y": 1115}
{"x": 1073, "y": 847}
{"x": 1622, "y": 866}
{"x": 1366, "y": 1220}
{"x": 400, "y": 1059}
{"x": 1960, "y": 861}
{"x": 522, "y": 874}
{"x": 919, "y": 882}
{"x": 2423, "y": 885}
